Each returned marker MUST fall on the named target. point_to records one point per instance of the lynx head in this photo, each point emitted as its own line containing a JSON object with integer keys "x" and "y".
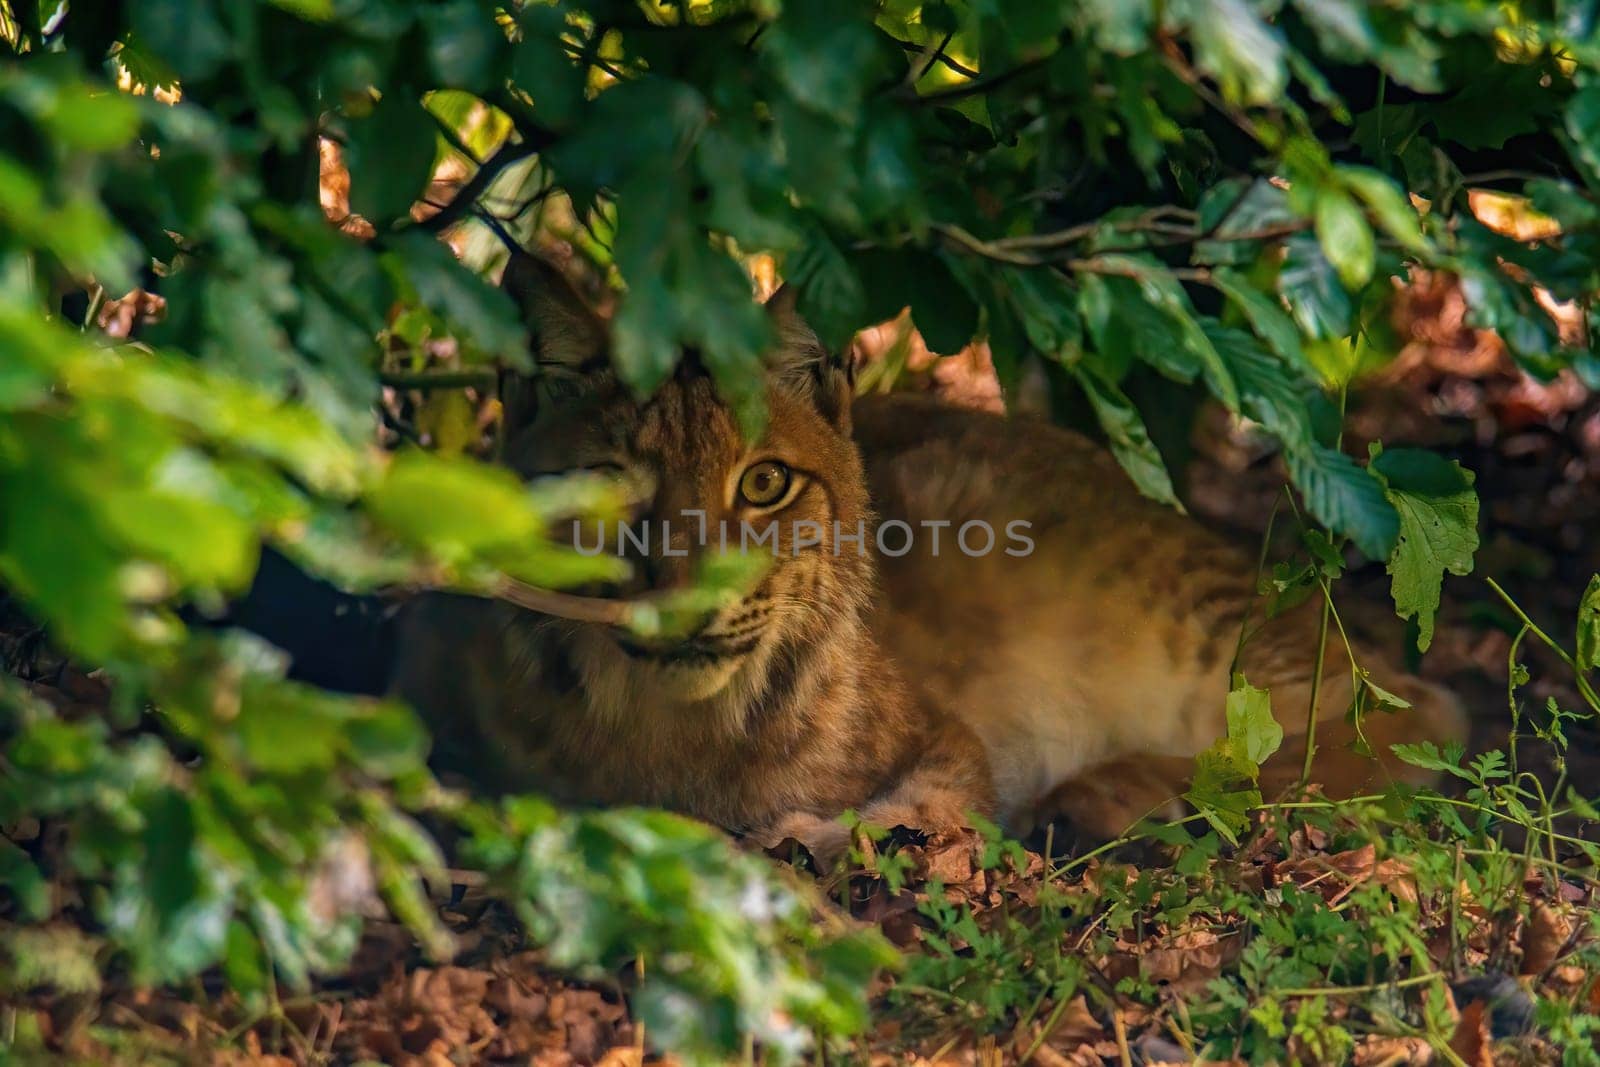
{"x": 699, "y": 485}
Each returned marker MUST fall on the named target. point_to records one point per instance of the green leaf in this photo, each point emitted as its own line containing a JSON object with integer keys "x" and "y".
{"x": 1265, "y": 313}
{"x": 1136, "y": 308}
{"x": 22, "y": 879}
{"x": 634, "y": 131}
{"x": 1310, "y": 286}
{"x": 1255, "y": 733}
{"x": 1345, "y": 236}
{"x": 478, "y": 312}
{"x": 464, "y": 44}
{"x": 1427, "y": 755}
{"x": 1388, "y": 204}
{"x": 1270, "y": 392}
{"x": 942, "y": 308}
{"x": 1233, "y": 210}
{"x": 831, "y": 298}
{"x": 453, "y": 507}
{"x": 186, "y": 35}
{"x": 823, "y": 53}
{"x": 1223, "y": 787}
{"x": 1346, "y": 499}
{"x": 1125, "y": 431}
{"x": 1234, "y": 44}
{"x": 541, "y": 67}
{"x": 171, "y": 864}
{"x": 390, "y": 156}
{"x": 1589, "y": 627}
{"x": 1499, "y": 102}
{"x": 1120, "y": 26}
{"x": 1582, "y": 119}
{"x": 1438, "y": 512}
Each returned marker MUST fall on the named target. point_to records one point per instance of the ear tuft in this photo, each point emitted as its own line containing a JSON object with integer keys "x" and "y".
{"x": 800, "y": 363}
{"x": 569, "y": 334}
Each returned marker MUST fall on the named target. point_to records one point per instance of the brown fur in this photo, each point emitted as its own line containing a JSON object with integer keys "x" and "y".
{"x": 1079, "y": 679}
{"x": 780, "y": 712}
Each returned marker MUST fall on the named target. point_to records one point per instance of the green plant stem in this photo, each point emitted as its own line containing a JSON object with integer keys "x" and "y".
{"x": 1316, "y": 686}
{"x": 1511, "y": 696}
{"x": 1261, "y": 567}
{"x": 1125, "y": 839}
{"x": 1312, "y": 706}
{"x": 1358, "y": 990}
{"x": 1584, "y": 688}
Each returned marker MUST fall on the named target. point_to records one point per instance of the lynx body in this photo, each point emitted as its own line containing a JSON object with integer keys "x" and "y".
{"x": 1078, "y": 677}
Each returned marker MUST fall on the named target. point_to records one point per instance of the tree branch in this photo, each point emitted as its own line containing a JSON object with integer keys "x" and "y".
{"x": 443, "y": 379}
{"x": 474, "y": 187}
{"x": 938, "y": 57}
{"x": 981, "y": 85}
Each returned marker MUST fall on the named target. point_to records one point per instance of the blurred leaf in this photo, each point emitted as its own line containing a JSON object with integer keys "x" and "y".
{"x": 832, "y": 300}
{"x": 464, "y": 44}
{"x": 185, "y": 35}
{"x": 484, "y": 315}
{"x": 1268, "y": 390}
{"x": 822, "y": 51}
{"x": 1388, "y": 204}
{"x": 1346, "y": 238}
{"x": 1582, "y": 118}
{"x": 1310, "y": 286}
{"x": 1265, "y": 314}
{"x": 1237, "y": 47}
{"x": 20, "y": 878}
{"x": 1130, "y": 441}
{"x": 453, "y": 507}
{"x": 389, "y": 153}
{"x": 541, "y": 67}
{"x": 1589, "y": 627}
{"x": 940, "y": 305}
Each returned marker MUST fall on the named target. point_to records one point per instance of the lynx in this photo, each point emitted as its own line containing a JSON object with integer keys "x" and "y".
{"x": 1074, "y": 668}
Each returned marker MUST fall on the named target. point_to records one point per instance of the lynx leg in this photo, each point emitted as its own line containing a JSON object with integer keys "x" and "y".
{"x": 1435, "y": 715}
{"x": 935, "y": 796}
{"x": 1110, "y": 797}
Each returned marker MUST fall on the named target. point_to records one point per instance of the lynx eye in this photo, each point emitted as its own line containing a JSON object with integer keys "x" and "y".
{"x": 763, "y": 484}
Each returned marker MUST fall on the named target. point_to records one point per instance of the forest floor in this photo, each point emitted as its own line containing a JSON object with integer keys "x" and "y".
{"x": 1395, "y": 932}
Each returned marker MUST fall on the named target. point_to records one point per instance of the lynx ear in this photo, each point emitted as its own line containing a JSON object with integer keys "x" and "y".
{"x": 799, "y": 363}
{"x": 569, "y": 334}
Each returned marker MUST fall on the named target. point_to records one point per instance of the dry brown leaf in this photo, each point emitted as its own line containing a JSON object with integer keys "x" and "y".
{"x": 1396, "y": 876}
{"x": 1543, "y": 937}
{"x": 1069, "y": 1032}
{"x": 1472, "y": 1039}
{"x": 1381, "y": 1051}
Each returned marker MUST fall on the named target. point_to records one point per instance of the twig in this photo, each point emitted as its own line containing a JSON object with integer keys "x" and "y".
{"x": 442, "y": 379}
{"x": 449, "y": 133}
{"x": 1120, "y": 1028}
{"x": 938, "y": 57}
{"x": 980, "y": 85}
{"x": 988, "y": 249}
{"x": 564, "y": 605}
{"x": 1094, "y": 265}
{"x": 508, "y": 153}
